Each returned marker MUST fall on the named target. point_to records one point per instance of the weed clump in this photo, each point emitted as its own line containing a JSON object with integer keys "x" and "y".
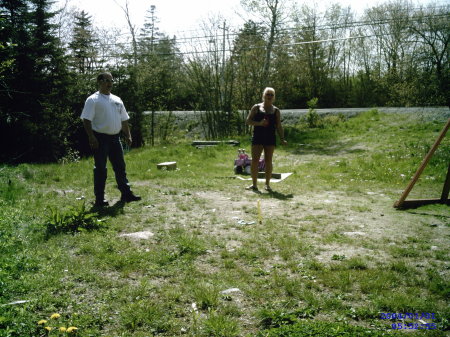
{"x": 76, "y": 219}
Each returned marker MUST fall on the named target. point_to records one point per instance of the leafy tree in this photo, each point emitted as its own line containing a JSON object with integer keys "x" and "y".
{"x": 210, "y": 80}
{"x": 154, "y": 80}
{"x": 340, "y": 55}
{"x": 248, "y": 59}
{"x": 431, "y": 28}
{"x": 310, "y": 56}
{"x": 273, "y": 14}
{"x": 389, "y": 23}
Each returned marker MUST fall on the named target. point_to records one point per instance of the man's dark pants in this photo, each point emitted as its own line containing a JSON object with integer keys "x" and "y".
{"x": 109, "y": 147}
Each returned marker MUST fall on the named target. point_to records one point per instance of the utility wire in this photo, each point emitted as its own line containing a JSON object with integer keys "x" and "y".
{"x": 351, "y": 25}
{"x": 196, "y": 52}
{"x": 326, "y": 26}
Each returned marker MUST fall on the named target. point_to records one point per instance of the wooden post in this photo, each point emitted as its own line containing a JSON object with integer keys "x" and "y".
{"x": 446, "y": 189}
{"x": 425, "y": 161}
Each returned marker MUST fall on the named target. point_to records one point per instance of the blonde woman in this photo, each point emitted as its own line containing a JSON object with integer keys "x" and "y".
{"x": 266, "y": 121}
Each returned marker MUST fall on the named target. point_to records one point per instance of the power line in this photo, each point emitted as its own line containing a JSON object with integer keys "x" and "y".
{"x": 350, "y": 25}
{"x": 197, "y": 52}
{"x": 323, "y": 27}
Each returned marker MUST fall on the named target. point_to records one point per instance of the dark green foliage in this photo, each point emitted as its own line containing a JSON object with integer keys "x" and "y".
{"x": 35, "y": 115}
{"x": 11, "y": 189}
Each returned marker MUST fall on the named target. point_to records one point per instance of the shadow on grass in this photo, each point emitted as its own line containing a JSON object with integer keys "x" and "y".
{"x": 319, "y": 141}
{"x": 417, "y": 211}
{"x": 111, "y": 211}
{"x": 327, "y": 148}
{"x": 279, "y": 195}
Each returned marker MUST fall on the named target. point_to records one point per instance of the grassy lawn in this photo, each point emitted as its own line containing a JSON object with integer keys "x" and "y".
{"x": 332, "y": 257}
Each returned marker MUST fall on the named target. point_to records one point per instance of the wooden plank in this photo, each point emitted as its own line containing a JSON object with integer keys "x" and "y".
{"x": 422, "y": 202}
{"x": 214, "y": 142}
{"x": 274, "y": 175}
{"x": 422, "y": 166}
{"x": 169, "y": 165}
{"x": 202, "y": 146}
{"x": 205, "y": 142}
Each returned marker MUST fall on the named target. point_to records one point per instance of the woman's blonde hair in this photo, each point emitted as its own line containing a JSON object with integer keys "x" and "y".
{"x": 266, "y": 90}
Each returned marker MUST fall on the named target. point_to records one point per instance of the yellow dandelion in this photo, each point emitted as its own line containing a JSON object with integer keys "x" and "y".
{"x": 55, "y": 316}
{"x": 42, "y": 321}
{"x": 62, "y": 329}
{"x": 48, "y": 328}
{"x": 71, "y": 329}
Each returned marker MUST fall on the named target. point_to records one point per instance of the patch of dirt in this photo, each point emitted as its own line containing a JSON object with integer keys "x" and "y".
{"x": 366, "y": 216}
{"x": 334, "y": 223}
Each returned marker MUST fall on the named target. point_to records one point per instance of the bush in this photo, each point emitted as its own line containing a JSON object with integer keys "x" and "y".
{"x": 333, "y": 120}
{"x": 312, "y": 117}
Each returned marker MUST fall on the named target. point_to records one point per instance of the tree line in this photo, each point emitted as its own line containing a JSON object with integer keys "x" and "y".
{"x": 394, "y": 54}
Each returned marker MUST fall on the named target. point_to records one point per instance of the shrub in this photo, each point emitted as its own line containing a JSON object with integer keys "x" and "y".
{"x": 313, "y": 119}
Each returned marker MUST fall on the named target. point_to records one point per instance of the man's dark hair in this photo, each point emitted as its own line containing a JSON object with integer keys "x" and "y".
{"x": 102, "y": 75}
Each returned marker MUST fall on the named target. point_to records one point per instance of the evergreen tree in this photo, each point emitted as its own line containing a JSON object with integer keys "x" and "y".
{"x": 15, "y": 32}
{"x": 149, "y": 33}
{"x": 35, "y": 104}
{"x": 82, "y": 47}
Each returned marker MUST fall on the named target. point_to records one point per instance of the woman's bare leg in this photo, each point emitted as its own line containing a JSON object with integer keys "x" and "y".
{"x": 256, "y": 154}
{"x": 268, "y": 155}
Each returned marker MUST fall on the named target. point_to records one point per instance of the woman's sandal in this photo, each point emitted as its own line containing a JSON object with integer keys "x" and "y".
{"x": 268, "y": 188}
{"x": 251, "y": 188}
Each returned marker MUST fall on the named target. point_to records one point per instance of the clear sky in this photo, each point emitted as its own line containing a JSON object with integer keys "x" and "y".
{"x": 178, "y": 17}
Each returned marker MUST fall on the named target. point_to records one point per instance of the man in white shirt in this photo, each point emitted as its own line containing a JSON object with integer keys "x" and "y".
{"x": 104, "y": 117}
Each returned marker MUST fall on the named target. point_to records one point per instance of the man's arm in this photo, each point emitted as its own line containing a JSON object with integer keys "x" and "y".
{"x": 93, "y": 142}
{"x": 126, "y": 132}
